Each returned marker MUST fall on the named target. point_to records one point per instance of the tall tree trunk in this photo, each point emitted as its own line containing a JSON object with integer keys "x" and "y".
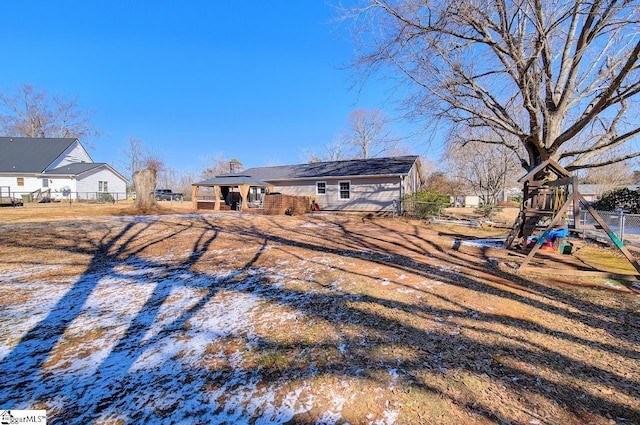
{"x": 144, "y": 182}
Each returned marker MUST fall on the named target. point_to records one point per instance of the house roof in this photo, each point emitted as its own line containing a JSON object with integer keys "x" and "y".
{"x": 232, "y": 179}
{"x": 29, "y": 154}
{"x": 596, "y": 189}
{"x": 75, "y": 168}
{"x": 78, "y": 168}
{"x": 393, "y": 166}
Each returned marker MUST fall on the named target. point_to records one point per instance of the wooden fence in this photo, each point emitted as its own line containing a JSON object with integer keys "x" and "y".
{"x": 277, "y": 204}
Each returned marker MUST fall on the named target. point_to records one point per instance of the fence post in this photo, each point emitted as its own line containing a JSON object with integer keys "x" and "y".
{"x": 622, "y": 220}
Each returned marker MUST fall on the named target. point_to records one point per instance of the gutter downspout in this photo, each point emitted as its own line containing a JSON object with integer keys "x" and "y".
{"x": 401, "y": 193}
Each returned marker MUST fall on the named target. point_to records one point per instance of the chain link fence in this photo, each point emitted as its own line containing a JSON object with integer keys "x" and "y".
{"x": 626, "y": 226}
{"x": 84, "y": 197}
{"x": 425, "y": 210}
{"x": 418, "y": 209}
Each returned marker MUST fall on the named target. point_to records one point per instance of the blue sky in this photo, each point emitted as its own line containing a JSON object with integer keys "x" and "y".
{"x": 256, "y": 80}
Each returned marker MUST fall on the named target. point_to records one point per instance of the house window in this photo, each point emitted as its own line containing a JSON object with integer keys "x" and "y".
{"x": 45, "y": 182}
{"x": 20, "y": 181}
{"x": 103, "y": 186}
{"x": 345, "y": 190}
{"x": 321, "y": 188}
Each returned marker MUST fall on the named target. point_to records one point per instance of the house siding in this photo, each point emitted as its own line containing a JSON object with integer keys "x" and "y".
{"x": 60, "y": 185}
{"x": 367, "y": 194}
{"x": 413, "y": 180}
{"x": 73, "y": 154}
{"x": 87, "y": 183}
{"x": 31, "y": 183}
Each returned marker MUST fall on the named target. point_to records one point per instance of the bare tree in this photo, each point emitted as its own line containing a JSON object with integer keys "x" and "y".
{"x": 608, "y": 178}
{"x": 183, "y": 184}
{"x": 31, "y": 112}
{"x": 153, "y": 162}
{"x": 134, "y": 156}
{"x": 561, "y": 79}
{"x": 332, "y": 151}
{"x": 218, "y": 164}
{"x": 484, "y": 169}
{"x": 368, "y": 134}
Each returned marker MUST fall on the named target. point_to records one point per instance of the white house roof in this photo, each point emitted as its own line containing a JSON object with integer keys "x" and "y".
{"x": 30, "y": 154}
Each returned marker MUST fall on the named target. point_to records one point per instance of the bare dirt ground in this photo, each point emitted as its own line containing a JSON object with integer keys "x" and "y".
{"x": 187, "y": 318}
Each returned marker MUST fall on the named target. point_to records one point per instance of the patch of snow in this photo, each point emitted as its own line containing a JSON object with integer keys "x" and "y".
{"x": 334, "y": 414}
{"x": 445, "y": 269}
{"x": 485, "y": 243}
{"x": 394, "y": 378}
{"x": 405, "y": 291}
{"x": 613, "y": 284}
{"x": 135, "y": 342}
{"x": 430, "y": 285}
{"x": 26, "y": 272}
{"x": 389, "y": 417}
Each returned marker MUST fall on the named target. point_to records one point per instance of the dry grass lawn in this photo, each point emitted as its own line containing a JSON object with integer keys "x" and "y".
{"x": 111, "y": 318}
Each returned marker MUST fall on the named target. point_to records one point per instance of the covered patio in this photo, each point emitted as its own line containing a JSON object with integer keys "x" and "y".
{"x": 236, "y": 191}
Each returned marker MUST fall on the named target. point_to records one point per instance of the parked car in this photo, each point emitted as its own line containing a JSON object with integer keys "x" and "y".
{"x": 168, "y": 195}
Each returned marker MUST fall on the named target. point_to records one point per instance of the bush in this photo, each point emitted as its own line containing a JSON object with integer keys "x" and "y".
{"x": 488, "y": 211}
{"x": 425, "y": 203}
{"x": 429, "y": 196}
{"x": 104, "y": 198}
{"x": 624, "y": 199}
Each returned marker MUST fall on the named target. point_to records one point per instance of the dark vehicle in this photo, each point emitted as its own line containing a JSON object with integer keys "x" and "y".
{"x": 168, "y": 195}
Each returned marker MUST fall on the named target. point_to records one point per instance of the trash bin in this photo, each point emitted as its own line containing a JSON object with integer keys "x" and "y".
{"x": 26, "y": 198}
{"x": 565, "y": 248}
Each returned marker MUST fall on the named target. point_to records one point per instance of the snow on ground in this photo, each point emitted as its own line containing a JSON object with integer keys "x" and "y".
{"x": 485, "y": 243}
{"x": 135, "y": 342}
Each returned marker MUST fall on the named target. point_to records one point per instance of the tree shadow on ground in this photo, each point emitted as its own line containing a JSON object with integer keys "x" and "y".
{"x": 446, "y": 338}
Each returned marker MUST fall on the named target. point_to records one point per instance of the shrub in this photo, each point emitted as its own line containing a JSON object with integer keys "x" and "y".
{"x": 624, "y": 198}
{"x": 426, "y": 203}
{"x": 488, "y": 211}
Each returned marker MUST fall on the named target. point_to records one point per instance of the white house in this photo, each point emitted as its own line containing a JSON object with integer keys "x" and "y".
{"x": 57, "y": 168}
